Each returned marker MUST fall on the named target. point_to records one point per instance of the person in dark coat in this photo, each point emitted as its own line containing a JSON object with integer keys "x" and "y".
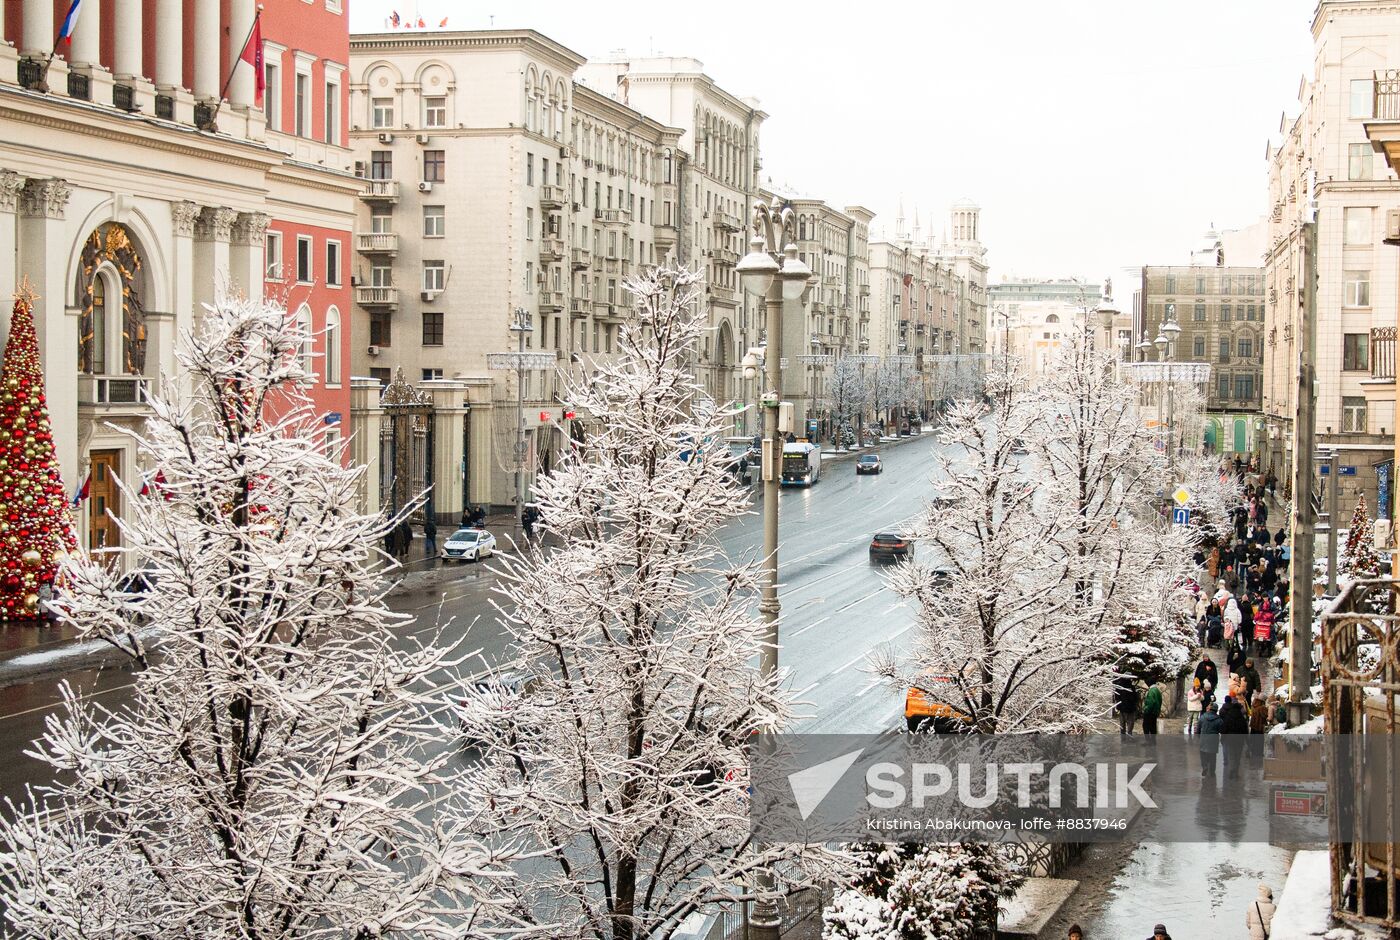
{"x": 1159, "y": 931}
{"x": 1125, "y": 703}
{"x": 1235, "y": 657}
{"x": 1208, "y": 740}
{"x": 1280, "y": 536}
{"x": 391, "y": 542}
{"x": 1206, "y": 671}
{"x": 1234, "y": 725}
{"x": 1252, "y": 683}
{"x": 430, "y": 537}
{"x": 405, "y": 541}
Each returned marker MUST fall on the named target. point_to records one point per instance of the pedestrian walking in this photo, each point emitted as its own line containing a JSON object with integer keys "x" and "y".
{"x": 1195, "y": 701}
{"x": 405, "y": 540}
{"x": 1260, "y": 916}
{"x": 1159, "y": 932}
{"x": 1232, "y": 618}
{"x": 1209, "y": 740}
{"x": 1151, "y": 709}
{"x": 1233, "y": 728}
{"x": 1125, "y": 702}
{"x": 1264, "y": 630}
{"x": 391, "y": 542}
{"x": 1252, "y": 683}
{"x": 1258, "y": 715}
{"x": 1235, "y": 658}
{"x": 1075, "y": 932}
{"x": 1206, "y": 672}
{"x": 430, "y": 537}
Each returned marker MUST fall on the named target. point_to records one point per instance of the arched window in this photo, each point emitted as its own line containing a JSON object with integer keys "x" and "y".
{"x": 1053, "y": 318}
{"x": 111, "y": 320}
{"x": 304, "y": 331}
{"x": 666, "y": 166}
{"x": 333, "y": 346}
{"x": 97, "y": 364}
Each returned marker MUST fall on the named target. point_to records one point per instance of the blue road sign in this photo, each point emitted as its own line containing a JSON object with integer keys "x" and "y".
{"x": 1341, "y": 471}
{"x": 1181, "y": 515}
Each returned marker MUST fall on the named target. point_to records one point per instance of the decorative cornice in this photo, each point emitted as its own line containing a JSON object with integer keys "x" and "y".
{"x": 183, "y": 214}
{"x": 215, "y": 223}
{"x": 10, "y": 185}
{"x": 251, "y": 228}
{"x": 45, "y": 198}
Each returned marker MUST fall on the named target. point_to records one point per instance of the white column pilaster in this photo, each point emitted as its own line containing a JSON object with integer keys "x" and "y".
{"x": 11, "y": 184}
{"x": 213, "y": 229}
{"x": 246, "y": 255}
{"x": 240, "y": 89}
{"x": 36, "y": 40}
{"x": 86, "y": 49}
{"x": 126, "y": 52}
{"x": 366, "y": 421}
{"x": 208, "y": 65}
{"x": 170, "y": 45}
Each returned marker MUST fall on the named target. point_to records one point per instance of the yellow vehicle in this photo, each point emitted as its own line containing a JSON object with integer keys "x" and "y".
{"x": 923, "y": 713}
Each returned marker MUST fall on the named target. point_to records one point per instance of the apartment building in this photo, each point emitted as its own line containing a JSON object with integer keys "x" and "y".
{"x": 130, "y": 196}
{"x": 533, "y": 195}
{"x": 1221, "y": 314}
{"x": 1324, "y": 167}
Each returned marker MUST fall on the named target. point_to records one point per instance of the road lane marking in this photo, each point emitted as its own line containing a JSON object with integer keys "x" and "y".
{"x": 860, "y": 600}
{"x": 59, "y": 702}
{"x": 797, "y": 633}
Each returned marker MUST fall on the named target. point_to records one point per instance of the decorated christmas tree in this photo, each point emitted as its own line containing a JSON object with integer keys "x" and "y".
{"x": 1361, "y": 560}
{"x": 36, "y": 531}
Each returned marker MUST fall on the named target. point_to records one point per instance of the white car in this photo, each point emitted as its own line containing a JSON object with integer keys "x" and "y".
{"x": 469, "y": 545}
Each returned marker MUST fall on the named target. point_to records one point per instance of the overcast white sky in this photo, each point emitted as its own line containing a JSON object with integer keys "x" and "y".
{"x": 1095, "y": 134}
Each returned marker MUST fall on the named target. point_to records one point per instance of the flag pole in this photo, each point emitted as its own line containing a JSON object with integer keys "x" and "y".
{"x": 213, "y": 118}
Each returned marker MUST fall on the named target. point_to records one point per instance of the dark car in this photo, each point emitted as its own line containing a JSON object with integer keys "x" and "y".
{"x": 869, "y": 463}
{"x": 890, "y": 545}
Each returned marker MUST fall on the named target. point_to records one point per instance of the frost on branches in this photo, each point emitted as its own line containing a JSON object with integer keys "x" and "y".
{"x": 622, "y": 739}
{"x": 847, "y": 394}
{"x": 915, "y": 891}
{"x": 271, "y": 777}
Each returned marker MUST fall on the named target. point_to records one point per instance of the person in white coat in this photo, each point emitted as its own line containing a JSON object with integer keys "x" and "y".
{"x": 1260, "y": 916}
{"x": 1232, "y": 620}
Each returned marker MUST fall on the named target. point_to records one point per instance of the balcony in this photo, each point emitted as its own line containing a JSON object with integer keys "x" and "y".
{"x": 723, "y": 256}
{"x": 113, "y": 389}
{"x": 612, "y": 266}
{"x": 552, "y": 300}
{"x": 616, "y": 217}
{"x": 723, "y": 295}
{"x": 551, "y": 249}
{"x": 1383, "y": 353}
{"x": 386, "y": 298}
{"x": 552, "y": 197}
{"x": 726, "y": 222}
{"x": 380, "y": 191}
{"x": 581, "y": 258}
{"x": 1383, "y": 127}
{"x": 865, "y": 290}
{"x": 665, "y": 238}
{"x": 377, "y": 243}
{"x": 579, "y": 306}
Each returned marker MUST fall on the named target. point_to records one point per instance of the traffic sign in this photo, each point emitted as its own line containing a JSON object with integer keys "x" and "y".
{"x": 1182, "y": 496}
{"x": 1341, "y": 471}
{"x": 1181, "y": 515}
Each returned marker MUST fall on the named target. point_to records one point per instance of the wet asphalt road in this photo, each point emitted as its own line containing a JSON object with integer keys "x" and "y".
{"x": 836, "y": 609}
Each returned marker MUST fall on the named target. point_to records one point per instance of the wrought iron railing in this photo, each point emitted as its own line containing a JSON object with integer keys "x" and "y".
{"x": 204, "y": 117}
{"x": 1361, "y": 682}
{"x": 124, "y": 97}
{"x": 31, "y": 74}
{"x": 79, "y": 86}
{"x": 1383, "y": 352}
{"x": 165, "y": 107}
{"x": 1385, "y": 105}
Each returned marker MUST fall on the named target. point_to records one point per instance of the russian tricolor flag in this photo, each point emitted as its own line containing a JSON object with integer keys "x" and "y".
{"x": 70, "y": 22}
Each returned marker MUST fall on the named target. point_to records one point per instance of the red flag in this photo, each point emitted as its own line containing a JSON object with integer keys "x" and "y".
{"x": 253, "y": 54}
{"x": 394, "y": 19}
{"x": 421, "y": 24}
{"x": 443, "y": 24}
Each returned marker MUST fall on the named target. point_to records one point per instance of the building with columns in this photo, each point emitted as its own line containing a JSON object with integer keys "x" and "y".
{"x": 130, "y": 196}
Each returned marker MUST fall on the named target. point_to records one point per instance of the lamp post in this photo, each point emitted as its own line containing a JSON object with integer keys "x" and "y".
{"x": 519, "y": 361}
{"x": 775, "y": 277}
{"x": 815, "y": 362}
{"x": 1166, "y": 344}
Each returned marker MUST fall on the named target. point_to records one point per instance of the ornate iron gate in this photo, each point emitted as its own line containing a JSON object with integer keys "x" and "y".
{"x": 406, "y": 448}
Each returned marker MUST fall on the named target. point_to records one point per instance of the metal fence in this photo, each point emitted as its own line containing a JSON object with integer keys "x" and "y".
{"x": 1385, "y": 104}
{"x": 1383, "y": 352}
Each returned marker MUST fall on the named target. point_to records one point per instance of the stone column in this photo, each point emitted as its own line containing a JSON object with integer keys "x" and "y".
{"x": 86, "y": 48}
{"x": 11, "y": 184}
{"x": 212, "y": 230}
{"x": 449, "y": 409}
{"x": 163, "y": 328}
{"x": 36, "y": 40}
{"x": 241, "y": 88}
{"x": 43, "y": 258}
{"x": 246, "y": 267}
{"x": 208, "y": 64}
{"x": 126, "y": 54}
{"x": 487, "y": 483}
{"x": 366, "y": 421}
{"x": 170, "y": 45}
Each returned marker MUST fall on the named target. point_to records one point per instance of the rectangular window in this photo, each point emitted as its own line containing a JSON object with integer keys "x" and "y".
{"x": 434, "y": 221}
{"x": 1356, "y": 351}
{"x": 304, "y": 259}
{"x": 1358, "y": 289}
{"x": 1244, "y": 387}
{"x": 432, "y": 375}
{"x": 272, "y": 96}
{"x": 332, "y": 264}
{"x": 1198, "y": 347}
{"x": 381, "y": 275}
{"x": 381, "y": 164}
{"x": 1356, "y": 223}
{"x": 529, "y": 223}
{"x": 434, "y": 275}
{"x": 381, "y": 220}
{"x": 380, "y": 375}
{"x": 1171, "y": 284}
{"x": 1222, "y": 387}
{"x": 1225, "y": 313}
{"x": 529, "y": 277}
{"x": 1224, "y": 349}
{"x": 332, "y": 112}
{"x": 1360, "y": 161}
{"x": 379, "y": 334}
{"x": 383, "y": 112}
{"x": 272, "y": 256}
{"x": 1200, "y": 285}
{"x": 434, "y": 166}
{"x": 432, "y": 328}
{"x": 1354, "y": 414}
{"x": 303, "y": 105}
{"x": 435, "y": 112}
{"x": 1361, "y": 103}
{"x": 1249, "y": 312}
{"x": 1244, "y": 348}
{"x": 529, "y": 169}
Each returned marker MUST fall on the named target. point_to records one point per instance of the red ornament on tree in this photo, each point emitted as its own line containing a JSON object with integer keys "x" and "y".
{"x": 34, "y": 511}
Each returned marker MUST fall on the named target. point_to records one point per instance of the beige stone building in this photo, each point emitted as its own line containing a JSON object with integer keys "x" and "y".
{"x": 1323, "y": 167}
{"x": 495, "y": 184}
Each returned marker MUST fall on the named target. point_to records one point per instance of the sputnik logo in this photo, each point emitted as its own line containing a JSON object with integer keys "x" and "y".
{"x": 810, "y": 786}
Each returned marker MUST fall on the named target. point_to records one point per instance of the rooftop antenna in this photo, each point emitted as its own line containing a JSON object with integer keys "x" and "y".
{"x": 491, "y": 19}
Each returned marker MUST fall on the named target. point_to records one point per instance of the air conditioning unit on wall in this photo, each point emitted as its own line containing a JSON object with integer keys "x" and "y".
{"x": 1392, "y": 226}
{"x": 373, "y": 350}
{"x": 386, "y": 138}
{"x": 425, "y": 187}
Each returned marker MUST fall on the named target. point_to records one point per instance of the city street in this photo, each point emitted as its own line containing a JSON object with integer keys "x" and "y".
{"x": 835, "y": 608}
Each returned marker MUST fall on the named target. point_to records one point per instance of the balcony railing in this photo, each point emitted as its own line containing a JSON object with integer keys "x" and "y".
{"x": 1383, "y": 353}
{"x": 579, "y": 306}
{"x": 726, "y": 257}
{"x": 113, "y": 389}
{"x": 726, "y": 222}
{"x": 377, "y": 296}
{"x": 552, "y": 197}
{"x": 377, "y": 190}
{"x": 1385, "y": 105}
{"x": 79, "y": 86}
{"x": 581, "y": 258}
{"x": 617, "y": 216}
{"x": 552, "y": 300}
{"x": 377, "y": 243}
{"x": 551, "y": 249}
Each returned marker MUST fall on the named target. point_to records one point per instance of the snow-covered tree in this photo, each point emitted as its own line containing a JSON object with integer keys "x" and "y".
{"x": 273, "y": 775}
{"x": 1360, "y": 553}
{"x": 1214, "y": 496}
{"x": 846, "y": 397}
{"x": 915, "y": 891}
{"x": 634, "y": 647}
